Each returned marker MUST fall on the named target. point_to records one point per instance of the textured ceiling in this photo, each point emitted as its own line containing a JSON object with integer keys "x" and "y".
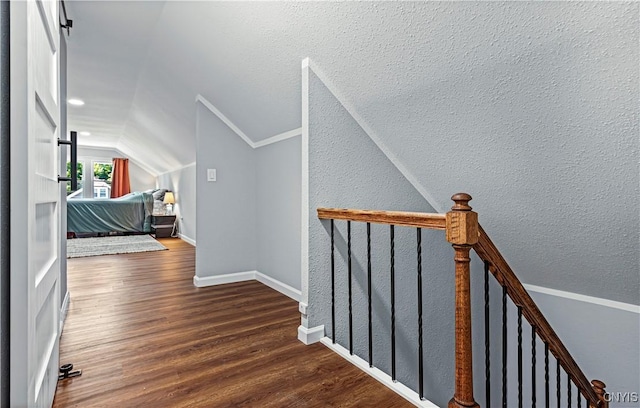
{"x": 530, "y": 106}
{"x": 139, "y": 65}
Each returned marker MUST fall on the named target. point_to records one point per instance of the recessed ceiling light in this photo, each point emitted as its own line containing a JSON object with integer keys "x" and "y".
{"x": 85, "y": 133}
{"x": 76, "y": 102}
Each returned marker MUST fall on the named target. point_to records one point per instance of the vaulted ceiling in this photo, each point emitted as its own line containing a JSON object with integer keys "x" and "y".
{"x": 140, "y": 64}
{"x": 531, "y": 104}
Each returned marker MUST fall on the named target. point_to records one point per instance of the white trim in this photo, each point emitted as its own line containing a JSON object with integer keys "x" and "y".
{"x": 281, "y": 287}
{"x": 64, "y": 310}
{"x": 254, "y": 145}
{"x": 278, "y": 138}
{"x": 397, "y": 387}
{"x": 304, "y": 185}
{"x": 227, "y": 121}
{"x": 584, "y": 298}
{"x": 411, "y": 178}
{"x": 275, "y": 284}
{"x": 310, "y": 336}
{"x": 187, "y": 239}
{"x": 202, "y": 282}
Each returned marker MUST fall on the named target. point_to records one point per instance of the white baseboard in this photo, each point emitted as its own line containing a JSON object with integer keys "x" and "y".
{"x": 399, "y": 388}
{"x": 187, "y": 239}
{"x": 202, "y": 282}
{"x": 275, "y": 284}
{"x": 281, "y": 287}
{"x": 310, "y": 336}
{"x": 64, "y": 310}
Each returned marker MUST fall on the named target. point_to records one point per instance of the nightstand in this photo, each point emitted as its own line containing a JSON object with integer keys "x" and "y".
{"x": 162, "y": 225}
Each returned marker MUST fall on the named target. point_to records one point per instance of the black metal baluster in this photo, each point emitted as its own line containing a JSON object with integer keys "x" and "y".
{"x": 333, "y": 289}
{"x": 568, "y": 390}
{"x": 579, "y": 399}
{"x": 369, "y": 293}
{"x": 487, "y": 343}
{"x": 558, "y": 382}
{"x": 393, "y": 304}
{"x": 420, "y": 354}
{"x": 350, "y": 298}
{"x": 519, "y": 356}
{"x": 504, "y": 347}
{"x": 533, "y": 367}
{"x": 546, "y": 375}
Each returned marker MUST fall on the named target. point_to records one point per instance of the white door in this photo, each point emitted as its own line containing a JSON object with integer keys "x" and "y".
{"x": 35, "y": 203}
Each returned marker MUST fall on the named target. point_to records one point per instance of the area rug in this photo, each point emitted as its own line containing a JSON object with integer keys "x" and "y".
{"x": 81, "y": 247}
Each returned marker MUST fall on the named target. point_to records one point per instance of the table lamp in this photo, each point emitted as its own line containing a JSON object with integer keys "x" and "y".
{"x": 169, "y": 200}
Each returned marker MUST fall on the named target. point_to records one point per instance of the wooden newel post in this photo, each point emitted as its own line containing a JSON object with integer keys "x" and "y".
{"x": 598, "y": 387}
{"x": 462, "y": 233}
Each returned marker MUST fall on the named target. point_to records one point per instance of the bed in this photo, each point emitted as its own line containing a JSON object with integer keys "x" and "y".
{"x": 130, "y": 213}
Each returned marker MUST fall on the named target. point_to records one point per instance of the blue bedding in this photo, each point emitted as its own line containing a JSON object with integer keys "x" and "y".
{"x": 129, "y": 213}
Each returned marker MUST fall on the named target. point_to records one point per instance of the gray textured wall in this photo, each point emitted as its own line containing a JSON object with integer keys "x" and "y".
{"x": 347, "y": 170}
{"x": 278, "y": 171}
{"x": 250, "y": 218}
{"x": 529, "y": 106}
{"x": 536, "y": 116}
{"x": 225, "y": 209}
{"x": 183, "y": 183}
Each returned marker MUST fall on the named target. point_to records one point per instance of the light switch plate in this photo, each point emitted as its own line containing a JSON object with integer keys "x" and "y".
{"x": 211, "y": 175}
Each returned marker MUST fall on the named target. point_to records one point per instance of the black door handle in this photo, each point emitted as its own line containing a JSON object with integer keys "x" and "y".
{"x": 74, "y": 160}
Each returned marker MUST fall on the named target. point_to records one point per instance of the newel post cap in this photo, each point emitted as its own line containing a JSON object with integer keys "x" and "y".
{"x": 462, "y": 223}
{"x": 598, "y": 387}
{"x": 461, "y": 202}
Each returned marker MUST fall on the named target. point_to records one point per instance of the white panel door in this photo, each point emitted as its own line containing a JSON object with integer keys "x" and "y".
{"x": 35, "y": 203}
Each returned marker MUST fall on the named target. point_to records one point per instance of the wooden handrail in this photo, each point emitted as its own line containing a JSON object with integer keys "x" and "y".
{"x": 464, "y": 232}
{"x": 407, "y": 219}
{"x": 488, "y": 252}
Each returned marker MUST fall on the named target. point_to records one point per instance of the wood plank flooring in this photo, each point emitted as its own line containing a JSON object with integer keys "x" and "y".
{"x": 144, "y": 336}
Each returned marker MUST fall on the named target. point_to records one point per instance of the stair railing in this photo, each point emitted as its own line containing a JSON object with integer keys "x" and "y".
{"x": 465, "y": 233}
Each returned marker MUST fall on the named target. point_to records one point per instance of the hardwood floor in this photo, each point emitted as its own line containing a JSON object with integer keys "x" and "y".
{"x": 144, "y": 336}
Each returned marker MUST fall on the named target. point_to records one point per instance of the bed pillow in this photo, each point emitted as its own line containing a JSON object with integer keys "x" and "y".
{"x": 158, "y": 207}
{"x": 158, "y": 194}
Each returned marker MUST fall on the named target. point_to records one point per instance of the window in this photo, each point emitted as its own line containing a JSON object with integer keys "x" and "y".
{"x": 102, "y": 179}
{"x": 102, "y": 172}
{"x": 98, "y": 186}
